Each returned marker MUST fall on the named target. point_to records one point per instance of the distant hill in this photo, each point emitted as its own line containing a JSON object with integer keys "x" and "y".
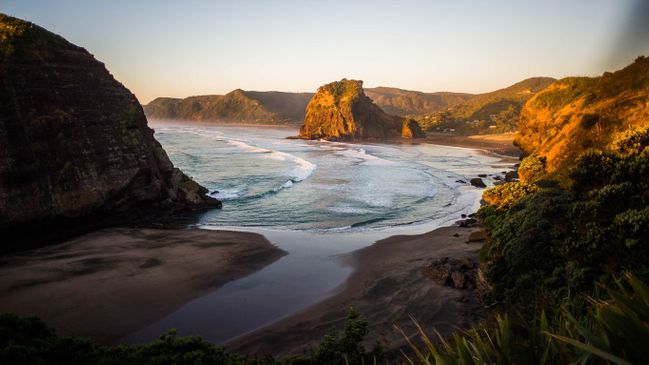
{"x": 405, "y": 102}
{"x": 236, "y": 106}
{"x": 578, "y": 113}
{"x": 341, "y": 111}
{"x": 494, "y": 112}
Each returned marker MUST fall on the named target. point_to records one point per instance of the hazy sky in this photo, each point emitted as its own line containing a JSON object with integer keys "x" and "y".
{"x": 192, "y": 47}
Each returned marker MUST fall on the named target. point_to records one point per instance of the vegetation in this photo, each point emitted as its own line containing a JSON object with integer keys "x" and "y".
{"x": 531, "y": 169}
{"x": 30, "y": 341}
{"x": 494, "y": 112}
{"x": 558, "y": 241}
{"x": 503, "y": 196}
{"x": 612, "y": 330}
{"x": 577, "y": 114}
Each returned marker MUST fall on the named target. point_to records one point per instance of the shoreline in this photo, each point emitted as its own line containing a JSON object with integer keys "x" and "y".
{"x": 386, "y": 286}
{"x": 500, "y": 144}
{"x": 111, "y": 282}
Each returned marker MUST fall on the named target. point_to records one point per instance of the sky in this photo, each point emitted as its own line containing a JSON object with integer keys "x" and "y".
{"x": 192, "y": 47}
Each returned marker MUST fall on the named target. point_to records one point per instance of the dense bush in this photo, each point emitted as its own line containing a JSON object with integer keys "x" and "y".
{"x": 531, "y": 169}
{"x": 504, "y": 195}
{"x": 30, "y": 341}
{"x": 557, "y": 242}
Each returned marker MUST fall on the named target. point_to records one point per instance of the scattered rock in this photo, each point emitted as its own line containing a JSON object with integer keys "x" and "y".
{"x": 455, "y": 273}
{"x": 467, "y": 223}
{"x": 477, "y": 182}
{"x": 477, "y": 236}
{"x": 456, "y": 235}
{"x": 463, "y": 216}
{"x": 511, "y": 176}
{"x": 482, "y": 175}
{"x": 460, "y": 181}
{"x": 497, "y": 177}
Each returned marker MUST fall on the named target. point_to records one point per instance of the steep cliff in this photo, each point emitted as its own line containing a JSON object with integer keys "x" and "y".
{"x": 75, "y": 148}
{"x": 341, "y": 111}
{"x": 578, "y": 113}
{"x": 269, "y": 107}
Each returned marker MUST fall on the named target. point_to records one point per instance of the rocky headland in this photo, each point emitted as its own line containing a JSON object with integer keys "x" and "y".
{"x": 340, "y": 111}
{"x": 75, "y": 149}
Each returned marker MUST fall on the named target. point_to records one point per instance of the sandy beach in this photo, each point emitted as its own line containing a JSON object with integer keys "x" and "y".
{"x": 110, "y": 282}
{"x": 501, "y": 144}
{"x": 387, "y": 286}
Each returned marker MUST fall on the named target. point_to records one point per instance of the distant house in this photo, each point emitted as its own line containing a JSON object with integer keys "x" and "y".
{"x": 492, "y": 127}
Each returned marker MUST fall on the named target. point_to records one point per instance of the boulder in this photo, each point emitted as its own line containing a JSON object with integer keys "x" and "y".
{"x": 477, "y": 182}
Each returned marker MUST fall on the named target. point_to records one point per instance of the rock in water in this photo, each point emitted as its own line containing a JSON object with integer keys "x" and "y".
{"x": 75, "y": 149}
{"x": 411, "y": 129}
{"x": 340, "y": 111}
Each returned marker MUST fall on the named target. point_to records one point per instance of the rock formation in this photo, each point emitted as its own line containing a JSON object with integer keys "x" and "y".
{"x": 75, "y": 149}
{"x": 341, "y": 111}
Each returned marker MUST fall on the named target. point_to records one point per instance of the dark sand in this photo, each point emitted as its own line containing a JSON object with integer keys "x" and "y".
{"x": 387, "y": 287}
{"x": 111, "y": 282}
{"x": 502, "y": 144}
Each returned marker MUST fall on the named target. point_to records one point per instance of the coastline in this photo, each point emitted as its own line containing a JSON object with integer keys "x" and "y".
{"x": 386, "y": 287}
{"x": 500, "y": 144}
{"x": 111, "y": 282}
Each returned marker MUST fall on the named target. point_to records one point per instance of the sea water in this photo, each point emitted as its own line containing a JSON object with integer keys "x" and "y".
{"x": 316, "y": 200}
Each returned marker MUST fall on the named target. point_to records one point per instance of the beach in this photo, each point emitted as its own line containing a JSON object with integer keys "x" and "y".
{"x": 111, "y": 282}
{"x": 501, "y": 144}
{"x": 387, "y": 287}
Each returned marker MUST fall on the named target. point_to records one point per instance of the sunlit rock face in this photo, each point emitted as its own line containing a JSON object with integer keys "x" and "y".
{"x": 341, "y": 111}
{"x": 75, "y": 148}
{"x": 575, "y": 114}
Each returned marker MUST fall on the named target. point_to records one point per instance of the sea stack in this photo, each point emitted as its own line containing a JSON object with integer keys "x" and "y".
{"x": 75, "y": 149}
{"x": 340, "y": 111}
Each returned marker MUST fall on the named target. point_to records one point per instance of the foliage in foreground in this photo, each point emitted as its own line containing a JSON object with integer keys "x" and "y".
{"x": 615, "y": 330}
{"x": 30, "y": 341}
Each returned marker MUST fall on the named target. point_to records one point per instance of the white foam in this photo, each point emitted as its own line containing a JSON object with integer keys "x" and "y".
{"x": 361, "y": 154}
{"x": 226, "y": 194}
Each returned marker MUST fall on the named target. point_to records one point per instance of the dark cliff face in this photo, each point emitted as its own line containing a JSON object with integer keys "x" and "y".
{"x": 75, "y": 148}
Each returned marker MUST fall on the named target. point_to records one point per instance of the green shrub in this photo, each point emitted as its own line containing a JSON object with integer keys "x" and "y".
{"x": 507, "y": 194}
{"x": 531, "y": 169}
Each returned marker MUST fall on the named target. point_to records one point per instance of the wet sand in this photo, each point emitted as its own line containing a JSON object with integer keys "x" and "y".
{"x": 502, "y": 144}
{"x": 387, "y": 287}
{"x": 111, "y": 282}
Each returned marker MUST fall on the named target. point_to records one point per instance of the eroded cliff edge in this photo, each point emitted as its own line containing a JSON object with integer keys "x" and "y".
{"x": 75, "y": 149}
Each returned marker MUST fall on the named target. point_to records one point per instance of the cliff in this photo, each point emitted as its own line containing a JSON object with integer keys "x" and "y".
{"x": 237, "y": 106}
{"x": 75, "y": 149}
{"x": 578, "y": 113}
{"x": 341, "y": 111}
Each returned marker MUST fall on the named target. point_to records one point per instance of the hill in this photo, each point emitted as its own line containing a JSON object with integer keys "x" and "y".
{"x": 341, "y": 111}
{"x": 406, "y": 102}
{"x": 75, "y": 149}
{"x": 578, "y": 113}
{"x": 494, "y": 112}
{"x": 236, "y": 106}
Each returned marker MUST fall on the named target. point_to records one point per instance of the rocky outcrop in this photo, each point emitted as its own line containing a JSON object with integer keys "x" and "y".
{"x": 456, "y": 273}
{"x": 340, "y": 111}
{"x": 75, "y": 148}
{"x": 575, "y": 114}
